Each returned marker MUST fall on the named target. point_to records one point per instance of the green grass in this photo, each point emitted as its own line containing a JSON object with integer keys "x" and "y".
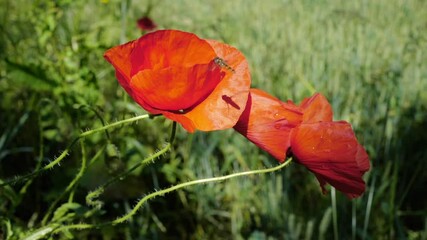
{"x": 369, "y": 58}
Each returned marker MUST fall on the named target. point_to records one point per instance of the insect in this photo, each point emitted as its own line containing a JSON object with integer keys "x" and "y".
{"x": 221, "y": 62}
{"x": 232, "y": 101}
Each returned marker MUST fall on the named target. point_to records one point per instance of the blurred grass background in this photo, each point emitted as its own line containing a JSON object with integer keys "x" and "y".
{"x": 369, "y": 58}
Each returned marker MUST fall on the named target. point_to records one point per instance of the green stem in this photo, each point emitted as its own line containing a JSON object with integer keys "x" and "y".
{"x": 148, "y": 159}
{"x": 170, "y": 189}
{"x": 334, "y": 212}
{"x": 70, "y": 186}
{"x": 98, "y": 115}
{"x": 94, "y": 194}
{"x": 67, "y": 150}
{"x": 137, "y": 165}
{"x": 129, "y": 120}
{"x": 172, "y": 138}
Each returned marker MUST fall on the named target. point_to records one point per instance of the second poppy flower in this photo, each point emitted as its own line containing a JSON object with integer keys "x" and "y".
{"x": 328, "y": 149}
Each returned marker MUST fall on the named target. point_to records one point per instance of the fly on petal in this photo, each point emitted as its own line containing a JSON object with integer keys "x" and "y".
{"x": 221, "y": 63}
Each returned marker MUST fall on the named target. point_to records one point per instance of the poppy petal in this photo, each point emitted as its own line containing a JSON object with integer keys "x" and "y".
{"x": 316, "y": 109}
{"x": 223, "y": 107}
{"x": 267, "y": 122}
{"x": 166, "y": 48}
{"x": 331, "y": 151}
{"x": 176, "y": 88}
{"x": 119, "y": 57}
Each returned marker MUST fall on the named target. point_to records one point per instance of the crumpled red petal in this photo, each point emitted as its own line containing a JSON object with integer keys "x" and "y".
{"x": 316, "y": 109}
{"x": 332, "y": 152}
{"x": 329, "y": 149}
{"x": 267, "y": 122}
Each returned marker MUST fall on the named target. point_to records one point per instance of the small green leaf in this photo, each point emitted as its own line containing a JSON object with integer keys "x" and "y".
{"x": 40, "y": 233}
{"x": 64, "y": 209}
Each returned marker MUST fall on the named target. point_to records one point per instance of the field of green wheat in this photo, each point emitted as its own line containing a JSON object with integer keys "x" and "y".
{"x": 369, "y": 58}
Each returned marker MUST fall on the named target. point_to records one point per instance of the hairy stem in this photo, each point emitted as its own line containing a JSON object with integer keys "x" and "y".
{"x": 67, "y": 150}
{"x": 71, "y": 185}
{"x": 94, "y": 194}
{"x": 171, "y": 189}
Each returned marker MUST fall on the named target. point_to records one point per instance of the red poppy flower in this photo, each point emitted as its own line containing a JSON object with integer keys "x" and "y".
{"x": 177, "y": 74}
{"x": 146, "y": 24}
{"x": 328, "y": 149}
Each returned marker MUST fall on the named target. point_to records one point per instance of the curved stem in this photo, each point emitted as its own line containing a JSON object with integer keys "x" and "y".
{"x": 98, "y": 115}
{"x": 148, "y": 159}
{"x": 170, "y": 189}
{"x": 94, "y": 194}
{"x": 67, "y": 150}
{"x": 129, "y": 120}
{"x": 190, "y": 183}
{"x": 90, "y": 132}
{"x": 70, "y": 186}
{"x": 121, "y": 176}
